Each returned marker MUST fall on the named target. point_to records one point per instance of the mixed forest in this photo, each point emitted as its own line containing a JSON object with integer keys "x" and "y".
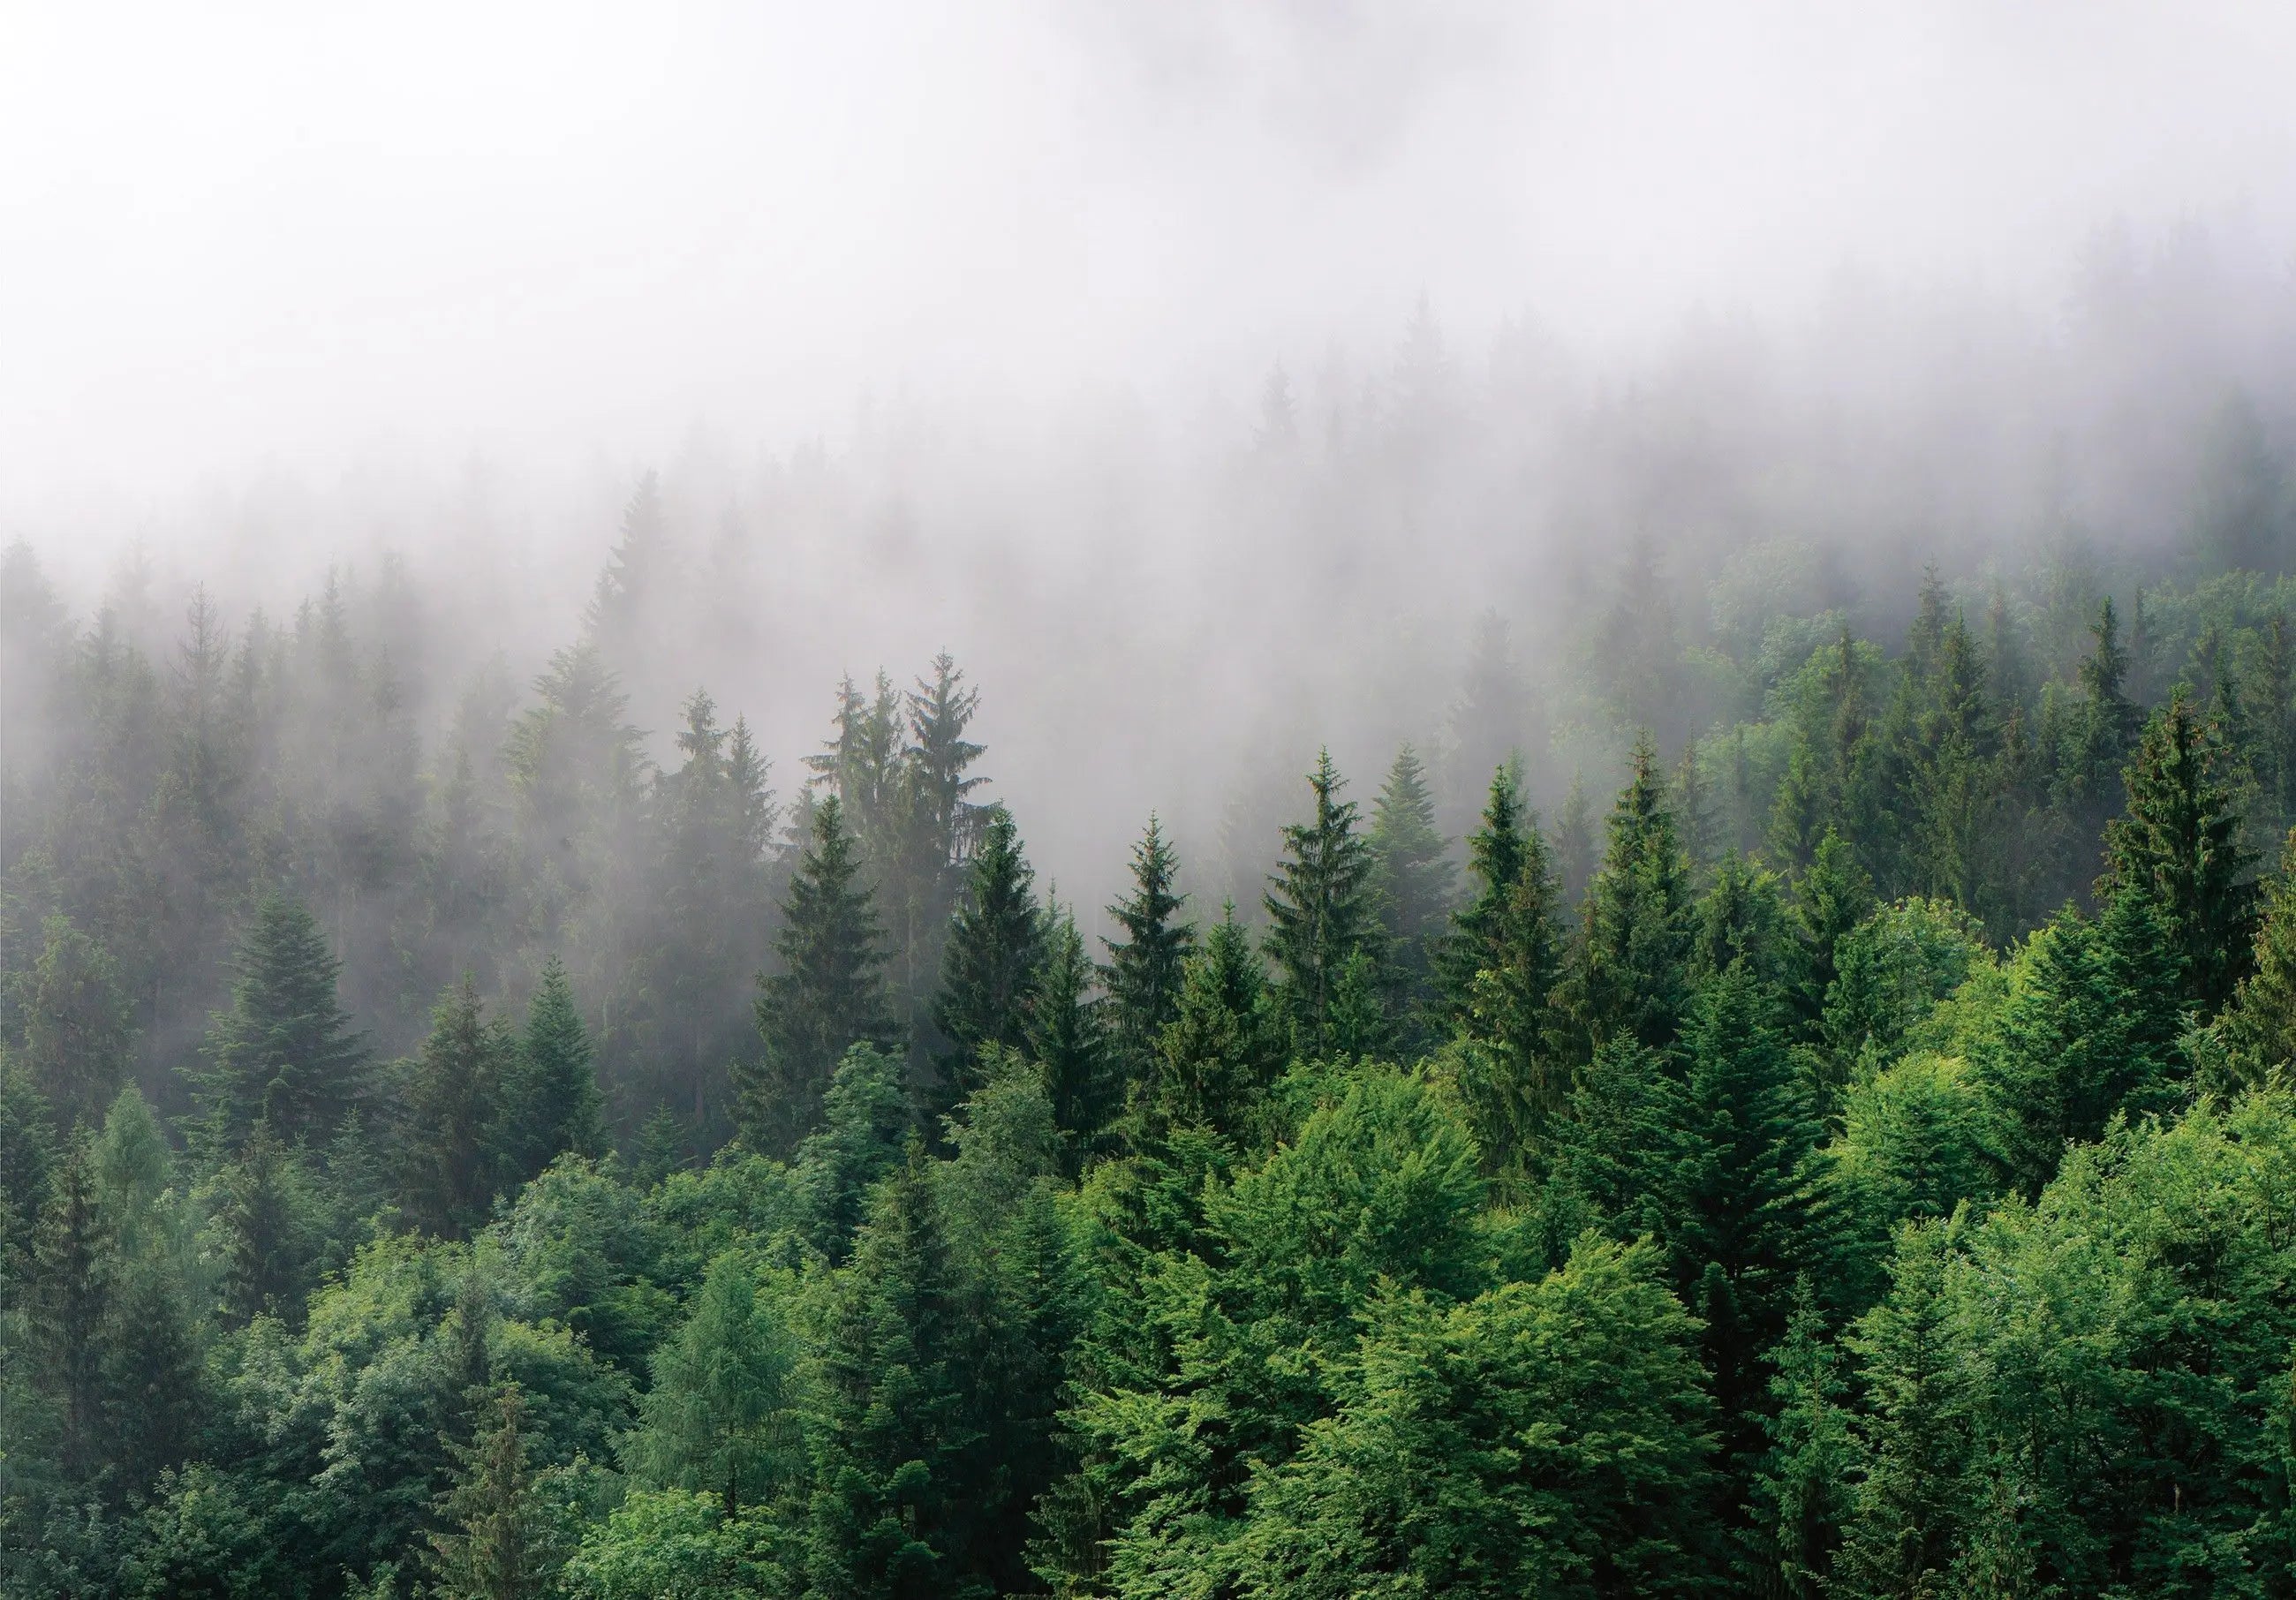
{"x": 1845, "y": 1149}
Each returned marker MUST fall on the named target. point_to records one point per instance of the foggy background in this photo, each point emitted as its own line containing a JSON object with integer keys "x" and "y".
{"x": 961, "y": 326}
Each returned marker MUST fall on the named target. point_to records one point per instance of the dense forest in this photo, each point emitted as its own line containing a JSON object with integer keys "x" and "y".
{"x": 1856, "y": 1158}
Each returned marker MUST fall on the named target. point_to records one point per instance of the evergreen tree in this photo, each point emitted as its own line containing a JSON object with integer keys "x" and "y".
{"x": 1803, "y": 1490}
{"x": 552, "y": 1103}
{"x": 2180, "y": 845}
{"x": 1320, "y": 909}
{"x": 1574, "y": 843}
{"x": 455, "y": 1125}
{"x": 70, "y": 1303}
{"x": 865, "y": 1125}
{"x": 1496, "y": 852}
{"x": 2258, "y": 1027}
{"x": 1413, "y": 881}
{"x": 994, "y": 959}
{"x": 1225, "y": 1046}
{"x": 829, "y": 993}
{"x": 1633, "y": 974}
{"x": 1830, "y": 898}
{"x": 1143, "y": 972}
{"x": 78, "y": 1027}
{"x": 284, "y": 1054}
{"x": 267, "y": 1224}
{"x": 1067, "y": 1036}
{"x": 495, "y": 1540}
{"x": 27, "y": 1151}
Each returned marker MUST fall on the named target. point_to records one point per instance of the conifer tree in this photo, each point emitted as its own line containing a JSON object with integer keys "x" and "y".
{"x": 994, "y": 959}
{"x": 455, "y": 1095}
{"x": 2258, "y": 1027}
{"x": 1830, "y": 898}
{"x": 1143, "y": 972}
{"x": 1068, "y": 1037}
{"x": 1804, "y": 1488}
{"x": 718, "y": 1416}
{"x": 27, "y": 1151}
{"x": 70, "y": 1302}
{"x": 865, "y": 1125}
{"x": 284, "y": 1054}
{"x": 552, "y": 1104}
{"x": 1574, "y": 843}
{"x": 2180, "y": 844}
{"x": 78, "y": 1027}
{"x": 495, "y": 1539}
{"x": 1320, "y": 909}
{"x": 829, "y": 993}
{"x": 1633, "y": 976}
{"x": 265, "y": 1222}
{"x": 1226, "y": 1045}
{"x": 1413, "y": 881}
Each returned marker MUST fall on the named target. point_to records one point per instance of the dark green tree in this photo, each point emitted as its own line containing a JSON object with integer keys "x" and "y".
{"x": 1320, "y": 910}
{"x": 994, "y": 959}
{"x": 1633, "y": 977}
{"x": 1143, "y": 972}
{"x": 70, "y": 1302}
{"x": 1223, "y": 1049}
{"x": 552, "y": 1104}
{"x": 720, "y": 1416}
{"x": 829, "y": 993}
{"x": 2180, "y": 844}
{"x": 454, "y": 1095}
{"x": 1068, "y": 1035}
{"x": 79, "y": 1030}
{"x": 865, "y": 1125}
{"x": 495, "y": 1540}
{"x": 1830, "y": 897}
{"x": 268, "y": 1221}
{"x": 284, "y": 1054}
{"x": 1414, "y": 882}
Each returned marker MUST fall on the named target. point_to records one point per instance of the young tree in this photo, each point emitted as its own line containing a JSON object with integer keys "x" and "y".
{"x": 718, "y": 1418}
{"x": 1320, "y": 909}
{"x": 2258, "y": 1027}
{"x": 1225, "y": 1045}
{"x": 284, "y": 1054}
{"x": 1067, "y": 1036}
{"x": 994, "y": 959}
{"x": 70, "y": 1302}
{"x": 267, "y": 1224}
{"x": 829, "y": 995}
{"x": 2180, "y": 844}
{"x": 79, "y": 1029}
{"x": 1143, "y": 972}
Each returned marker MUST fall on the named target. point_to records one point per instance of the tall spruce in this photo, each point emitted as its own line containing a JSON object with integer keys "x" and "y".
{"x": 1634, "y": 957}
{"x": 1224, "y": 1047}
{"x": 1068, "y": 1037}
{"x": 1143, "y": 974}
{"x": 455, "y": 1131}
{"x": 494, "y": 1540}
{"x": 552, "y": 1104}
{"x": 994, "y": 959}
{"x": 284, "y": 1053}
{"x": 1320, "y": 910}
{"x": 2180, "y": 844}
{"x": 1413, "y": 881}
{"x": 829, "y": 993}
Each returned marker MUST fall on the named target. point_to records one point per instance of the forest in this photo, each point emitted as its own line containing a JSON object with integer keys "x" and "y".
{"x": 1857, "y": 1158}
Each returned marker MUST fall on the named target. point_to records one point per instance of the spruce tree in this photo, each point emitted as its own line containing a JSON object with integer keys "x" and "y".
{"x": 1223, "y": 1048}
{"x": 284, "y": 1054}
{"x": 2258, "y": 1027}
{"x": 554, "y": 1105}
{"x": 865, "y": 1126}
{"x": 1143, "y": 972}
{"x": 1830, "y": 897}
{"x": 1068, "y": 1037}
{"x": 1802, "y": 1492}
{"x": 454, "y": 1126}
{"x": 1320, "y": 909}
{"x": 1633, "y": 974}
{"x": 994, "y": 959}
{"x": 1413, "y": 880}
{"x": 829, "y": 993}
{"x": 495, "y": 1541}
{"x": 70, "y": 1302}
{"x": 2180, "y": 844}
{"x": 1574, "y": 843}
{"x": 28, "y": 1153}
{"x": 268, "y": 1227}
{"x": 78, "y": 1027}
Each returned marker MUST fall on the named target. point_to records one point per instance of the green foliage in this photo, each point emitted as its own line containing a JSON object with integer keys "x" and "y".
{"x": 1067, "y": 1032}
{"x": 1633, "y": 978}
{"x": 1890, "y": 971}
{"x": 1224, "y": 1047}
{"x": 78, "y": 1028}
{"x": 1321, "y": 911}
{"x": 457, "y": 1129}
{"x": 994, "y": 959}
{"x": 284, "y": 1053}
{"x": 1414, "y": 882}
{"x": 550, "y": 1101}
{"x": 1144, "y": 969}
{"x": 720, "y": 1416}
{"x": 494, "y": 1542}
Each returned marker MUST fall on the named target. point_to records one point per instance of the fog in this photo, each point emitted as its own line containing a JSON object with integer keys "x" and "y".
{"x": 954, "y": 326}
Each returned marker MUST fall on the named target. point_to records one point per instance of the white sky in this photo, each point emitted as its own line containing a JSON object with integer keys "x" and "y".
{"x": 235, "y": 234}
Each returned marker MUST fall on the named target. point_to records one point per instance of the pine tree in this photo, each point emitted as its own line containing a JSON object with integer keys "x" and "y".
{"x": 865, "y": 1125}
{"x": 552, "y": 1104}
{"x": 495, "y": 1540}
{"x": 1143, "y": 972}
{"x": 994, "y": 959}
{"x": 1067, "y": 1036}
{"x": 2180, "y": 844}
{"x": 829, "y": 995}
{"x": 1320, "y": 909}
{"x": 1413, "y": 881}
{"x": 1633, "y": 976}
{"x": 455, "y": 1102}
{"x": 284, "y": 1054}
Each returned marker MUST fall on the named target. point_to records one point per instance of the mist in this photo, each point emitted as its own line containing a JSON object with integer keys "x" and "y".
{"x": 1202, "y": 378}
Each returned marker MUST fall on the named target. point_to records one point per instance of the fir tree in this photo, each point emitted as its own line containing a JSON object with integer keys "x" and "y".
{"x": 1804, "y": 1488}
{"x": 79, "y": 1028}
{"x": 1633, "y": 958}
{"x": 2180, "y": 844}
{"x": 2258, "y": 1027}
{"x": 865, "y": 1125}
{"x": 1830, "y": 898}
{"x": 552, "y": 1104}
{"x": 994, "y": 959}
{"x": 1225, "y": 1046}
{"x": 70, "y": 1302}
{"x": 284, "y": 1054}
{"x": 265, "y": 1222}
{"x": 1143, "y": 972}
{"x": 829, "y": 993}
{"x": 27, "y": 1151}
{"x": 1320, "y": 909}
{"x": 1413, "y": 881}
{"x": 1067, "y": 1036}
{"x": 1574, "y": 843}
